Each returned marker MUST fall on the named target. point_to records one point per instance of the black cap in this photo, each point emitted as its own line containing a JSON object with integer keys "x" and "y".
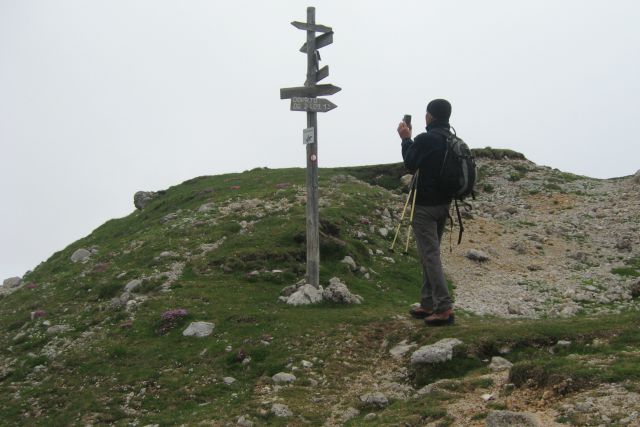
{"x": 440, "y": 109}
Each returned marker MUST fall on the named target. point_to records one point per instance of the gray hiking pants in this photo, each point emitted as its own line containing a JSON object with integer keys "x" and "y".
{"x": 428, "y": 226}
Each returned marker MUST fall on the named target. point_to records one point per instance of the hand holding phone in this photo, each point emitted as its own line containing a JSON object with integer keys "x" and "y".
{"x": 407, "y": 120}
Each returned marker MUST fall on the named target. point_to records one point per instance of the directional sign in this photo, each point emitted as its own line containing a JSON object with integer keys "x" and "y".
{"x": 311, "y": 91}
{"x": 311, "y": 27}
{"x": 314, "y": 105}
{"x": 322, "y": 73}
{"x": 321, "y": 41}
{"x": 308, "y": 136}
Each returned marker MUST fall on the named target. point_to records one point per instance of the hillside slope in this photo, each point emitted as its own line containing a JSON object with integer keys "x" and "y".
{"x": 94, "y": 336}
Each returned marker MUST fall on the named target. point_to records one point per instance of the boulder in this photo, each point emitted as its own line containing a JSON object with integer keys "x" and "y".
{"x": 198, "y": 329}
{"x": 142, "y": 198}
{"x": 280, "y": 410}
{"x": 12, "y": 282}
{"x": 305, "y": 295}
{"x": 207, "y": 207}
{"x": 499, "y": 364}
{"x": 439, "y": 352}
{"x": 338, "y": 292}
{"x": 283, "y": 378}
{"x": 81, "y": 255}
{"x": 377, "y": 400}
{"x": 132, "y": 285}
{"x": 350, "y": 262}
{"x": 512, "y": 419}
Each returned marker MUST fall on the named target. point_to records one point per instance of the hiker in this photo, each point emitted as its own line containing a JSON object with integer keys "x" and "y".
{"x": 426, "y": 155}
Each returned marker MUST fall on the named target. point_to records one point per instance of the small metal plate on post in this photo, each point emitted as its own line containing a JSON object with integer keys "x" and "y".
{"x": 308, "y": 136}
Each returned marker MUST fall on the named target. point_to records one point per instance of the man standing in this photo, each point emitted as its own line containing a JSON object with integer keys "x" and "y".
{"x": 426, "y": 155}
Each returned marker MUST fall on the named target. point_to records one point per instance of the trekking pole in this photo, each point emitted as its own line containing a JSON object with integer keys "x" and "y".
{"x": 413, "y": 207}
{"x": 404, "y": 210}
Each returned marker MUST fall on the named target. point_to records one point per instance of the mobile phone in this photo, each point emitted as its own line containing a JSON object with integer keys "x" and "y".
{"x": 407, "y": 120}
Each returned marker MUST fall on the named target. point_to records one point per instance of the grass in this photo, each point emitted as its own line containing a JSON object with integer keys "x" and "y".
{"x": 115, "y": 355}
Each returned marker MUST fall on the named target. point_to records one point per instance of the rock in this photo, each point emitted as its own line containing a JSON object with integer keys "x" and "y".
{"x": 229, "y": 380}
{"x": 377, "y": 399}
{"x": 339, "y": 293}
{"x": 499, "y": 364}
{"x": 512, "y": 419}
{"x": 371, "y": 416}
{"x": 306, "y": 364}
{"x": 389, "y": 260}
{"x": 12, "y": 282}
{"x": 401, "y": 349}
{"x": 514, "y": 308}
{"x": 487, "y": 397}
{"x": 305, "y": 295}
{"x": 81, "y": 255}
{"x": 207, "y": 207}
{"x": 476, "y": 255}
{"x": 383, "y": 232}
{"x": 397, "y": 391}
{"x": 349, "y": 414}
{"x": 636, "y": 177}
{"x": 198, "y": 329}
{"x": 58, "y": 329}
{"x": 624, "y": 244}
{"x": 132, "y": 285}
{"x": 244, "y": 421}
{"x": 142, "y": 198}
{"x": 635, "y": 290}
{"x": 169, "y": 217}
{"x": 406, "y": 180}
{"x": 439, "y": 352}
{"x": 280, "y": 410}
{"x": 283, "y": 378}
{"x": 563, "y": 343}
{"x": 350, "y": 262}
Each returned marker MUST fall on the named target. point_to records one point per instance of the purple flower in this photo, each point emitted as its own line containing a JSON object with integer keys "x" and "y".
{"x": 172, "y": 315}
{"x": 38, "y": 313}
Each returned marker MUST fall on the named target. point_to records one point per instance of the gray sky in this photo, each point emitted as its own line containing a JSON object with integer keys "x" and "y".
{"x": 99, "y": 99}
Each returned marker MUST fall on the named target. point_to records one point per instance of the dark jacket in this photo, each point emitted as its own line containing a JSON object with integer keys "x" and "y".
{"x": 426, "y": 152}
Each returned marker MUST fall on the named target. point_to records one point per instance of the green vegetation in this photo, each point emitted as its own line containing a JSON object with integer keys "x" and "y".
{"x": 497, "y": 153}
{"x": 631, "y": 269}
{"x": 227, "y": 264}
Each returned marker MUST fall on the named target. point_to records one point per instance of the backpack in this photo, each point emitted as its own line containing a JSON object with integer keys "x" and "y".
{"x": 458, "y": 172}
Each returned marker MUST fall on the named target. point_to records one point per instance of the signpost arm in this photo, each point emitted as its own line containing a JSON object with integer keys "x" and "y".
{"x": 313, "y": 235}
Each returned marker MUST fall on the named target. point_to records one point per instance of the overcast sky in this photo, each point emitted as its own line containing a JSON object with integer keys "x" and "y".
{"x": 100, "y": 99}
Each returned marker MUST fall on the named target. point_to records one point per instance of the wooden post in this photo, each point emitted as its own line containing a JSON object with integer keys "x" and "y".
{"x": 304, "y": 98}
{"x": 313, "y": 234}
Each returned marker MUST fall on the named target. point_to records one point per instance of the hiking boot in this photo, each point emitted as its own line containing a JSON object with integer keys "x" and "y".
{"x": 441, "y": 319}
{"x": 420, "y": 313}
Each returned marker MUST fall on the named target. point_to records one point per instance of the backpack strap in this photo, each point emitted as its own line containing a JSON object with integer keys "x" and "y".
{"x": 459, "y": 221}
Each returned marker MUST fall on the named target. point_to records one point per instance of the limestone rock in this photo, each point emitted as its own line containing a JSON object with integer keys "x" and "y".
{"x": 499, "y": 364}
{"x": 439, "y": 352}
{"x": 81, "y": 255}
{"x": 338, "y": 292}
{"x": 636, "y": 177}
{"x": 280, "y": 410}
{"x": 198, "y": 329}
{"x": 376, "y": 399}
{"x": 58, "y": 329}
{"x": 12, "y": 282}
{"x": 401, "y": 349}
{"x": 244, "y": 421}
{"x": 348, "y": 414}
{"x": 229, "y": 380}
{"x": 476, "y": 255}
{"x": 635, "y": 290}
{"x": 305, "y": 295}
{"x": 512, "y": 419}
{"x": 207, "y": 207}
{"x": 350, "y": 262}
{"x": 406, "y": 180}
{"x": 142, "y": 198}
{"x": 383, "y": 232}
{"x": 132, "y": 285}
{"x": 283, "y": 378}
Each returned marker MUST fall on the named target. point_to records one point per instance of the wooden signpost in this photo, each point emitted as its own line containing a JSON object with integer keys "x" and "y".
{"x": 304, "y": 98}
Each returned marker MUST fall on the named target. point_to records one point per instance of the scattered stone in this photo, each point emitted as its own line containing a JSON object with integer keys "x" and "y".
{"x": 377, "y": 399}
{"x": 512, "y": 419}
{"x": 635, "y": 290}
{"x": 198, "y": 329}
{"x": 349, "y": 414}
{"x": 406, "y": 180}
{"x": 624, "y": 245}
{"x": 12, "y": 282}
{"x": 389, "y": 260}
{"x": 499, "y": 364}
{"x": 132, "y": 285}
{"x": 401, "y": 349}
{"x": 306, "y": 364}
{"x": 80, "y": 255}
{"x": 37, "y": 314}
{"x": 283, "y": 378}
{"x": 339, "y": 293}
{"x": 229, "y": 380}
{"x": 280, "y": 410}
{"x": 244, "y": 421}
{"x": 169, "y": 217}
{"x": 487, "y": 397}
{"x": 476, "y": 255}
{"x": 383, "y": 232}
{"x": 207, "y": 207}
{"x": 563, "y": 343}
{"x": 305, "y": 295}
{"x": 58, "y": 329}
{"x": 439, "y": 352}
{"x": 371, "y": 416}
{"x": 142, "y": 198}
{"x": 350, "y": 262}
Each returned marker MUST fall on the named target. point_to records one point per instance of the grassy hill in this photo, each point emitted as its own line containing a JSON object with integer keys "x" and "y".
{"x": 76, "y": 349}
